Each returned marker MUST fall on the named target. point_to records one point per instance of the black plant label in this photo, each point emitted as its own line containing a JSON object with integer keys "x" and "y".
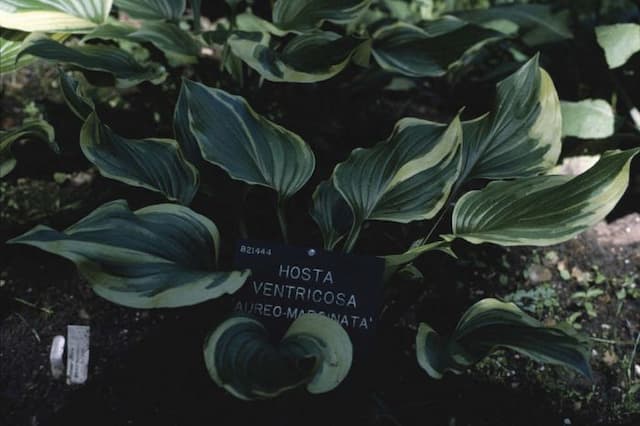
{"x": 287, "y": 282}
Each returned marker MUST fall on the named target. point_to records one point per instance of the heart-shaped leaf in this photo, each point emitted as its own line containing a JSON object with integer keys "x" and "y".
{"x": 170, "y": 10}
{"x": 305, "y": 15}
{"x": 491, "y": 324}
{"x": 315, "y": 352}
{"x": 53, "y": 15}
{"x": 522, "y": 134}
{"x": 155, "y": 164}
{"x": 246, "y": 145}
{"x": 543, "y": 210}
{"x": 159, "y": 256}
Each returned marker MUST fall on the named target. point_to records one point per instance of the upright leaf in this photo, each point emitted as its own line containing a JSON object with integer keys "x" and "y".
{"x": 522, "y": 134}
{"x": 53, "y": 15}
{"x": 332, "y": 214}
{"x": 543, "y": 210}
{"x": 170, "y": 10}
{"x": 430, "y": 51}
{"x": 155, "y": 164}
{"x": 305, "y": 15}
{"x": 108, "y": 59}
{"x": 619, "y": 42}
{"x": 75, "y": 97}
{"x": 306, "y": 58}
{"x": 587, "y": 119}
{"x": 491, "y": 324}
{"x": 246, "y": 145}
{"x": 315, "y": 352}
{"x": 160, "y": 256}
{"x": 30, "y": 129}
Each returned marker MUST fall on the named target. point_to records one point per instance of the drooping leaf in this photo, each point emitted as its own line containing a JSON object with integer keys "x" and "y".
{"x": 405, "y": 178}
{"x": 332, "y": 214}
{"x": 178, "y": 46}
{"x": 315, "y": 352}
{"x": 75, "y": 97}
{"x": 429, "y": 51}
{"x": 306, "y": 58}
{"x": 491, "y": 324}
{"x": 30, "y": 129}
{"x": 53, "y": 15}
{"x": 305, "y": 15}
{"x": 619, "y": 42}
{"x": 108, "y": 59}
{"x": 543, "y": 210}
{"x": 248, "y": 22}
{"x": 246, "y": 145}
{"x": 156, "y": 257}
{"x": 522, "y": 135}
{"x": 538, "y": 23}
{"x": 587, "y": 119}
{"x": 170, "y": 10}
{"x": 11, "y": 43}
{"x": 154, "y": 164}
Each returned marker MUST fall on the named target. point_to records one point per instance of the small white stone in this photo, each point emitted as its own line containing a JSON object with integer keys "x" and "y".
{"x": 567, "y": 421}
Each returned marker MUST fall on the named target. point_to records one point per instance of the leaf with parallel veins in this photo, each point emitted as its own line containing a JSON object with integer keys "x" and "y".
{"x": 53, "y": 15}
{"x": 306, "y": 15}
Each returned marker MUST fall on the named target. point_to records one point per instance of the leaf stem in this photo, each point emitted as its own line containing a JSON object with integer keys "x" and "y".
{"x": 282, "y": 219}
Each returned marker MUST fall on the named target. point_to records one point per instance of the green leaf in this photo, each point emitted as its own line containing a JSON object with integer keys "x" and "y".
{"x": 305, "y": 15}
{"x": 587, "y": 119}
{"x": 154, "y": 164}
{"x": 160, "y": 256}
{"x": 30, "y": 129}
{"x": 186, "y": 139}
{"x": 196, "y": 6}
{"x": 543, "y": 210}
{"x": 537, "y": 22}
{"x": 53, "y": 15}
{"x": 11, "y": 43}
{"x": 75, "y": 97}
{"x": 315, "y": 352}
{"x": 171, "y": 10}
{"x": 108, "y": 59}
{"x": 393, "y": 262}
{"x": 491, "y": 324}
{"x": 430, "y": 51}
{"x": 405, "y": 178}
{"x": 246, "y": 145}
{"x": 522, "y": 135}
{"x": 619, "y": 42}
{"x": 306, "y": 58}
{"x": 178, "y": 46}
{"x": 332, "y": 214}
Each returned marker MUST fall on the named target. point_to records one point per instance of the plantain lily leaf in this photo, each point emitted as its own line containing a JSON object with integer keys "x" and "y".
{"x": 248, "y": 22}
{"x": 305, "y": 15}
{"x": 53, "y": 15}
{"x": 619, "y": 42}
{"x": 306, "y": 58}
{"x": 538, "y": 23}
{"x": 11, "y": 43}
{"x": 160, "y": 256}
{"x": 186, "y": 139}
{"x": 394, "y": 261}
{"x": 430, "y": 51}
{"x": 587, "y": 119}
{"x": 522, "y": 135}
{"x": 315, "y": 352}
{"x": 155, "y": 164}
{"x": 108, "y": 59}
{"x": 177, "y": 45}
{"x": 405, "y": 178}
{"x": 491, "y": 324}
{"x": 246, "y": 145}
{"x": 30, "y": 129}
{"x": 543, "y": 210}
{"x": 332, "y": 214}
{"x": 75, "y": 97}
{"x": 170, "y": 10}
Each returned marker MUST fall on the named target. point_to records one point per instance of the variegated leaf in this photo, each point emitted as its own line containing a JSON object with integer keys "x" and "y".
{"x": 156, "y": 257}
{"x": 246, "y": 145}
{"x": 11, "y": 43}
{"x": 170, "y": 10}
{"x": 305, "y": 15}
{"x": 154, "y": 164}
{"x": 332, "y": 214}
{"x": 53, "y": 15}
{"x": 315, "y": 352}
{"x": 543, "y": 210}
{"x": 75, "y": 97}
{"x": 522, "y": 134}
{"x": 491, "y": 324}
{"x": 30, "y": 129}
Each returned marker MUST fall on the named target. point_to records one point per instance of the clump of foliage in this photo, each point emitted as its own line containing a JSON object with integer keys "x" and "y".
{"x": 166, "y": 255}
